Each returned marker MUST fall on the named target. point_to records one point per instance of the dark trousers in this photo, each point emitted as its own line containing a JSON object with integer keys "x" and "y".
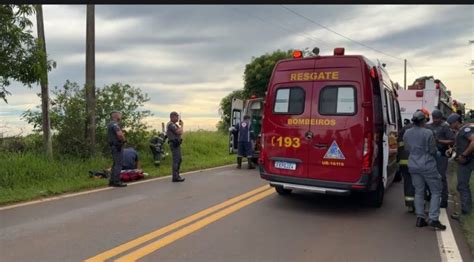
{"x": 245, "y": 149}
{"x": 117, "y": 157}
{"x": 176, "y": 153}
{"x": 408, "y": 188}
{"x": 464, "y": 176}
{"x": 442, "y": 166}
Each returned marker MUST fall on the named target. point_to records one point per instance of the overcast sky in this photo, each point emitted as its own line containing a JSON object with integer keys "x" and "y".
{"x": 188, "y": 57}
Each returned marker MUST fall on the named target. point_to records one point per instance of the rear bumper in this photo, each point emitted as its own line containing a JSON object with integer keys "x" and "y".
{"x": 314, "y": 189}
{"x": 317, "y": 186}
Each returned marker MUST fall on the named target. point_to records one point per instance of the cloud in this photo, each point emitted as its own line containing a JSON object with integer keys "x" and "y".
{"x": 187, "y": 57}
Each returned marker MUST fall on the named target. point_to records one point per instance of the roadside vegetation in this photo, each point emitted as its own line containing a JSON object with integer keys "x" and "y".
{"x": 27, "y": 174}
{"x": 467, "y": 222}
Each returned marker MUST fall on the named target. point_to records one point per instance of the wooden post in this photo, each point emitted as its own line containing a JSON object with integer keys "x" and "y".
{"x": 46, "y": 122}
{"x": 405, "y": 76}
{"x": 90, "y": 78}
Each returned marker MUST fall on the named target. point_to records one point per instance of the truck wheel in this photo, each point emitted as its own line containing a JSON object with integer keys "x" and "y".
{"x": 281, "y": 191}
{"x": 375, "y": 198}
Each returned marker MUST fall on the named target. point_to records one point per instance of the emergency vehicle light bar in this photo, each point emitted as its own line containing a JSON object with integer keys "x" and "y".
{"x": 297, "y": 54}
{"x": 373, "y": 73}
{"x": 339, "y": 51}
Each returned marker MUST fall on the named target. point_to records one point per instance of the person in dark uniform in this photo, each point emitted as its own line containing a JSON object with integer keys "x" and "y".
{"x": 156, "y": 146}
{"x": 444, "y": 138}
{"x": 464, "y": 148}
{"x": 408, "y": 189}
{"x": 421, "y": 146}
{"x": 245, "y": 137}
{"x": 174, "y": 133}
{"x": 130, "y": 159}
{"x": 116, "y": 140}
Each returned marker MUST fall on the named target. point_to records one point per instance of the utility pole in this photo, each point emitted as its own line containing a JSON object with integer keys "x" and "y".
{"x": 46, "y": 122}
{"x": 90, "y": 78}
{"x": 405, "y": 76}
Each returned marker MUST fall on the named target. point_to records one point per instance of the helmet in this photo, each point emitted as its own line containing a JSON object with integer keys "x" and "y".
{"x": 426, "y": 113}
{"x": 419, "y": 116}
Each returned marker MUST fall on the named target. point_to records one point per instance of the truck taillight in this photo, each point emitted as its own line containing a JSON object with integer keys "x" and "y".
{"x": 419, "y": 93}
{"x": 367, "y": 153}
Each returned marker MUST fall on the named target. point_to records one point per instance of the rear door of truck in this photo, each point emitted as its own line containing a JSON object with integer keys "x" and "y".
{"x": 337, "y": 122}
{"x": 286, "y": 120}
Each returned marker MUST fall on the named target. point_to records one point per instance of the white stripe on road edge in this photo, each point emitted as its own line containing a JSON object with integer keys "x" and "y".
{"x": 102, "y": 189}
{"x": 448, "y": 248}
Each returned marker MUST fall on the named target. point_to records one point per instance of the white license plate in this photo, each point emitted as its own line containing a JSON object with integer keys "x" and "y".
{"x": 285, "y": 165}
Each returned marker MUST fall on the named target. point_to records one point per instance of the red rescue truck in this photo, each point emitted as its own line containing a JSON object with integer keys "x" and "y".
{"x": 330, "y": 126}
{"x": 427, "y": 92}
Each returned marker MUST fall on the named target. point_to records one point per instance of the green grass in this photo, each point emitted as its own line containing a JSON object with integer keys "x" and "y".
{"x": 28, "y": 176}
{"x": 467, "y": 222}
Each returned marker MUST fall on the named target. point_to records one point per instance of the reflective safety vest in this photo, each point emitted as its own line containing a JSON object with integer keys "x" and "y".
{"x": 402, "y": 154}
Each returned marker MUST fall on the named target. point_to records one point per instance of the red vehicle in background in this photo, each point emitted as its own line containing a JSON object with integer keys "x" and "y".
{"x": 330, "y": 126}
{"x": 252, "y": 107}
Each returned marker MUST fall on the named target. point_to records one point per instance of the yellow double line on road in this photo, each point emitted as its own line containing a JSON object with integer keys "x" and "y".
{"x": 228, "y": 207}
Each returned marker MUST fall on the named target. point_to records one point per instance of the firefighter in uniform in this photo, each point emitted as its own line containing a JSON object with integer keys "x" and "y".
{"x": 464, "y": 148}
{"x": 421, "y": 146}
{"x": 116, "y": 140}
{"x": 444, "y": 138}
{"x": 174, "y": 133}
{"x": 245, "y": 137}
{"x": 408, "y": 189}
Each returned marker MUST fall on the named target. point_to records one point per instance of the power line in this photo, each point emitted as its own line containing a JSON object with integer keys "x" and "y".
{"x": 305, "y": 35}
{"x": 329, "y": 29}
{"x": 317, "y": 40}
{"x": 412, "y": 68}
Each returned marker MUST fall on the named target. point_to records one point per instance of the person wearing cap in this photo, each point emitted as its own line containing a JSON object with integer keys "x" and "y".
{"x": 444, "y": 138}
{"x": 464, "y": 148}
{"x": 174, "y": 132}
{"x": 420, "y": 144}
{"x": 245, "y": 137}
{"x": 408, "y": 189}
{"x": 116, "y": 140}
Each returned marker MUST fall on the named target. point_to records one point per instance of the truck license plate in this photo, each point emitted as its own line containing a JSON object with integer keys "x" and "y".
{"x": 285, "y": 165}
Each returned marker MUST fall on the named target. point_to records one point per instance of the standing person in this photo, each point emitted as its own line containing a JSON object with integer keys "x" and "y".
{"x": 444, "y": 138}
{"x": 420, "y": 144}
{"x": 408, "y": 189}
{"x": 464, "y": 146}
{"x": 116, "y": 140}
{"x": 174, "y": 133}
{"x": 245, "y": 137}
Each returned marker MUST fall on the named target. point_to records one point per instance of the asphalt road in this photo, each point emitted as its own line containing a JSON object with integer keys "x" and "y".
{"x": 164, "y": 221}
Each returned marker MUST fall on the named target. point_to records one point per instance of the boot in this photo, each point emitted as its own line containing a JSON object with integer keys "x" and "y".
{"x": 239, "y": 162}
{"x": 250, "y": 163}
{"x": 421, "y": 222}
{"x": 437, "y": 225}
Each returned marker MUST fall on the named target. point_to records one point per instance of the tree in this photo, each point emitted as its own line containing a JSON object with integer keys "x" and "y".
{"x": 20, "y": 54}
{"x": 43, "y": 66}
{"x": 256, "y": 77}
{"x": 225, "y": 107}
{"x": 68, "y": 114}
{"x": 258, "y": 72}
{"x": 90, "y": 79}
